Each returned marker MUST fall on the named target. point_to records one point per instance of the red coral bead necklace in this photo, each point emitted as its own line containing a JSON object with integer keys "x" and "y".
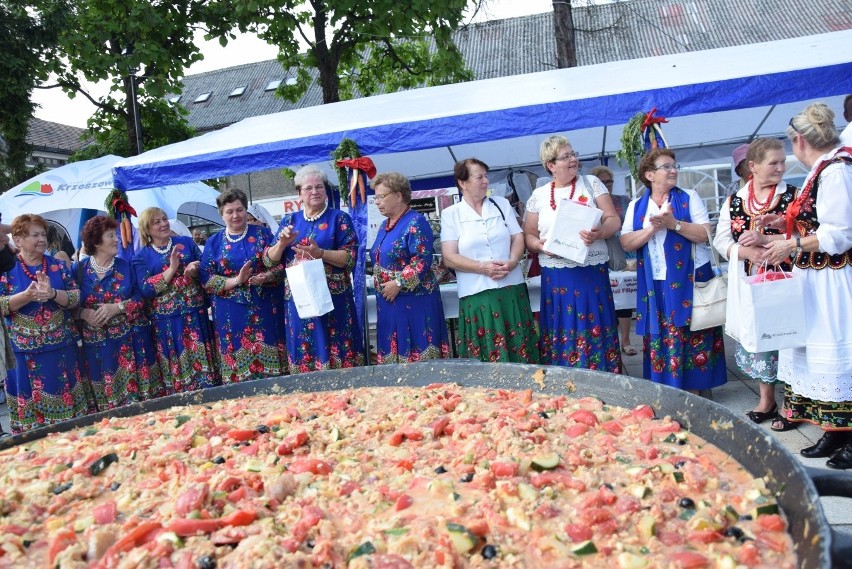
{"x": 27, "y": 270}
{"x": 553, "y": 192}
{"x": 389, "y": 226}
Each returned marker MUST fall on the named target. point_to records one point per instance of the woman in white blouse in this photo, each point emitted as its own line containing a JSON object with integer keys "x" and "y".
{"x": 579, "y": 327}
{"x": 482, "y": 241}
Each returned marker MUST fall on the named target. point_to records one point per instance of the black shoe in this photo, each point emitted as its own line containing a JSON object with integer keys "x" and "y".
{"x": 842, "y": 460}
{"x": 827, "y": 445}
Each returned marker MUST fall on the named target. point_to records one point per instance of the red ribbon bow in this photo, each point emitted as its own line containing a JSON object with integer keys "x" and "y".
{"x": 650, "y": 119}
{"x": 122, "y": 206}
{"x": 363, "y": 163}
{"x": 358, "y": 164}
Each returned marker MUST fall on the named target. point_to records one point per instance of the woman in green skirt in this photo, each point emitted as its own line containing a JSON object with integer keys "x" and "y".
{"x": 482, "y": 240}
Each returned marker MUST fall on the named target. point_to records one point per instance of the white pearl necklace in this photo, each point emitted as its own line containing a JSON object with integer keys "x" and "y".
{"x": 236, "y": 239}
{"x": 164, "y": 250}
{"x": 313, "y": 218}
{"x": 99, "y": 269}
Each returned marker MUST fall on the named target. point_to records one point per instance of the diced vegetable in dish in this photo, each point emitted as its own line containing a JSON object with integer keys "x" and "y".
{"x": 440, "y": 476}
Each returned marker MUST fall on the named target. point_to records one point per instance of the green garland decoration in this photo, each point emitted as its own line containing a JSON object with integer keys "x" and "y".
{"x": 347, "y": 149}
{"x": 109, "y": 203}
{"x": 632, "y": 146}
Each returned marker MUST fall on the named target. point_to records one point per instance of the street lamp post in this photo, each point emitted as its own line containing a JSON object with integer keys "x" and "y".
{"x": 137, "y": 120}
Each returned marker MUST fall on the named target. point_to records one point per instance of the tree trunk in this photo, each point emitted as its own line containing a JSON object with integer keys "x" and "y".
{"x": 563, "y": 31}
{"x": 129, "y": 116}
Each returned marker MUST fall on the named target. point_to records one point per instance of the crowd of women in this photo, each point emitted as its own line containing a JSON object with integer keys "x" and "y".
{"x": 176, "y": 319}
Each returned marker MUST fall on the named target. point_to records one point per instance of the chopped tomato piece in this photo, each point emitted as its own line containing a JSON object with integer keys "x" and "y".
{"x": 504, "y": 469}
{"x": 772, "y": 522}
{"x": 643, "y": 412}
{"x": 192, "y": 499}
{"x": 242, "y": 434}
{"x": 689, "y": 560}
{"x": 292, "y": 442}
{"x": 313, "y": 465}
{"x": 584, "y": 417}
{"x": 613, "y": 427}
{"x": 439, "y": 425}
{"x": 105, "y": 513}
{"x": 705, "y": 536}
{"x": 186, "y": 527}
{"x": 576, "y": 430}
{"x": 127, "y": 542}
{"x": 578, "y": 532}
{"x": 61, "y": 540}
{"x": 239, "y": 518}
{"x": 403, "y": 502}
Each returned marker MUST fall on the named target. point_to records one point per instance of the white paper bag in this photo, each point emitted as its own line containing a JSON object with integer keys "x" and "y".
{"x": 309, "y": 288}
{"x": 770, "y": 314}
{"x": 564, "y": 236}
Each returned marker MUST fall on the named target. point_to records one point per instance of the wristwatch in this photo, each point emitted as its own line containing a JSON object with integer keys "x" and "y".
{"x": 798, "y": 246}
{"x": 678, "y": 226}
{"x": 122, "y": 305}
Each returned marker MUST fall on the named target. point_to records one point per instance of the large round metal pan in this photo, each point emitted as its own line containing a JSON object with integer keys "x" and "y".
{"x": 796, "y": 488}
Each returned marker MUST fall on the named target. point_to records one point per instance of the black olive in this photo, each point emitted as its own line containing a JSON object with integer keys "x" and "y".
{"x": 734, "y": 532}
{"x": 246, "y": 443}
{"x": 60, "y": 488}
{"x": 543, "y": 414}
{"x": 102, "y": 463}
{"x": 440, "y": 470}
{"x": 745, "y": 517}
{"x": 310, "y": 544}
{"x": 679, "y": 464}
{"x": 152, "y": 422}
{"x": 744, "y": 539}
{"x": 311, "y": 417}
{"x": 609, "y": 486}
{"x": 686, "y": 503}
{"x": 467, "y": 477}
{"x": 262, "y": 429}
{"x": 218, "y": 460}
{"x": 26, "y": 542}
{"x": 490, "y": 551}
{"x": 206, "y": 562}
{"x": 115, "y": 486}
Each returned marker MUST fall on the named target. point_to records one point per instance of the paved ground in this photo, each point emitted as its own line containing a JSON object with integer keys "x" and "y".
{"x": 739, "y": 395}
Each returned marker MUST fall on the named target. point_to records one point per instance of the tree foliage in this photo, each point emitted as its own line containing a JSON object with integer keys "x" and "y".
{"x": 26, "y": 41}
{"x": 361, "y": 46}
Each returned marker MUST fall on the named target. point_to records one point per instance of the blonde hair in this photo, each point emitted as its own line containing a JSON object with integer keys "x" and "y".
{"x": 816, "y": 125}
{"x": 395, "y": 182}
{"x": 550, "y": 149}
{"x": 145, "y": 219}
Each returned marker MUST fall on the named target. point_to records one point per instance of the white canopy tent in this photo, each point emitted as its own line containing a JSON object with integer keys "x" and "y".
{"x": 716, "y": 99}
{"x": 65, "y": 196}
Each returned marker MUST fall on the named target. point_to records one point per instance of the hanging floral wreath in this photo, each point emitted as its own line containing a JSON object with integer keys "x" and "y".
{"x": 120, "y": 210}
{"x": 346, "y": 155}
{"x": 641, "y": 134}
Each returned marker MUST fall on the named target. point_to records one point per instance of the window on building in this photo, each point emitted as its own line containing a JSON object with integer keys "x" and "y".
{"x": 272, "y": 85}
{"x": 174, "y": 99}
{"x": 203, "y": 97}
{"x": 290, "y": 81}
{"x": 238, "y": 91}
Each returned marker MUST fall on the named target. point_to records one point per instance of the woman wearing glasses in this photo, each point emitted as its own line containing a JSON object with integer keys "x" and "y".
{"x": 578, "y": 323}
{"x": 410, "y": 317}
{"x": 333, "y": 340}
{"x": 661, "y": 226}
{"x": 819, "y": 220}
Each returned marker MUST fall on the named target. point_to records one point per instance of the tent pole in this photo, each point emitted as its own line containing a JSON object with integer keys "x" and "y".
{"x": 603, "y": 147}
{"x": 249, "y": 187}
{"x": 765, "y": 118}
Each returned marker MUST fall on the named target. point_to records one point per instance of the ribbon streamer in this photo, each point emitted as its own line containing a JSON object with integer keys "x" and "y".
{"x": 356, "y": 181}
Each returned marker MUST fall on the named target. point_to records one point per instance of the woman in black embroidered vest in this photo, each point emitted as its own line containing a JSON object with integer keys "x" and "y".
{"x": 741, "y": 221}
{"x": 819, "y": 232}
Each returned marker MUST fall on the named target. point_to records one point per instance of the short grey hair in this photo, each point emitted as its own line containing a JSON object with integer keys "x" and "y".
{"x": 309, "y": 170}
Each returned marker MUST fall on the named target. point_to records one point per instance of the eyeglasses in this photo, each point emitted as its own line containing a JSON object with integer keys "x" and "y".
{"x": 381, "y": 197}
{"x": 567, "y": 156}
{"x": 309, "y": 189}
{"x": 667, "y": 167}
{"x": 794, "y": 126}
{"x": 41, "y": 235}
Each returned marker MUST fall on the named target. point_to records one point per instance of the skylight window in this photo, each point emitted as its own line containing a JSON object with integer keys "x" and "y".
{"x": 174, "y": 99}
{"x": 272, "y": 85}
{"x": 203, "y": 97}
{"x": 237, "y": 92}
{"x": 291, "y": 81}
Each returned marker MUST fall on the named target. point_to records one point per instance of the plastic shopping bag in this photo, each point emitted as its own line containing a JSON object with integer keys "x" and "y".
{"x": 309, "y": 288}
{"x": 767, "y": 312}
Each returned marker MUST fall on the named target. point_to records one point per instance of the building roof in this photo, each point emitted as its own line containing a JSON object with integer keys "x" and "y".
{"x": 54, "y": 137}
{"x": 498, "y": 48}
